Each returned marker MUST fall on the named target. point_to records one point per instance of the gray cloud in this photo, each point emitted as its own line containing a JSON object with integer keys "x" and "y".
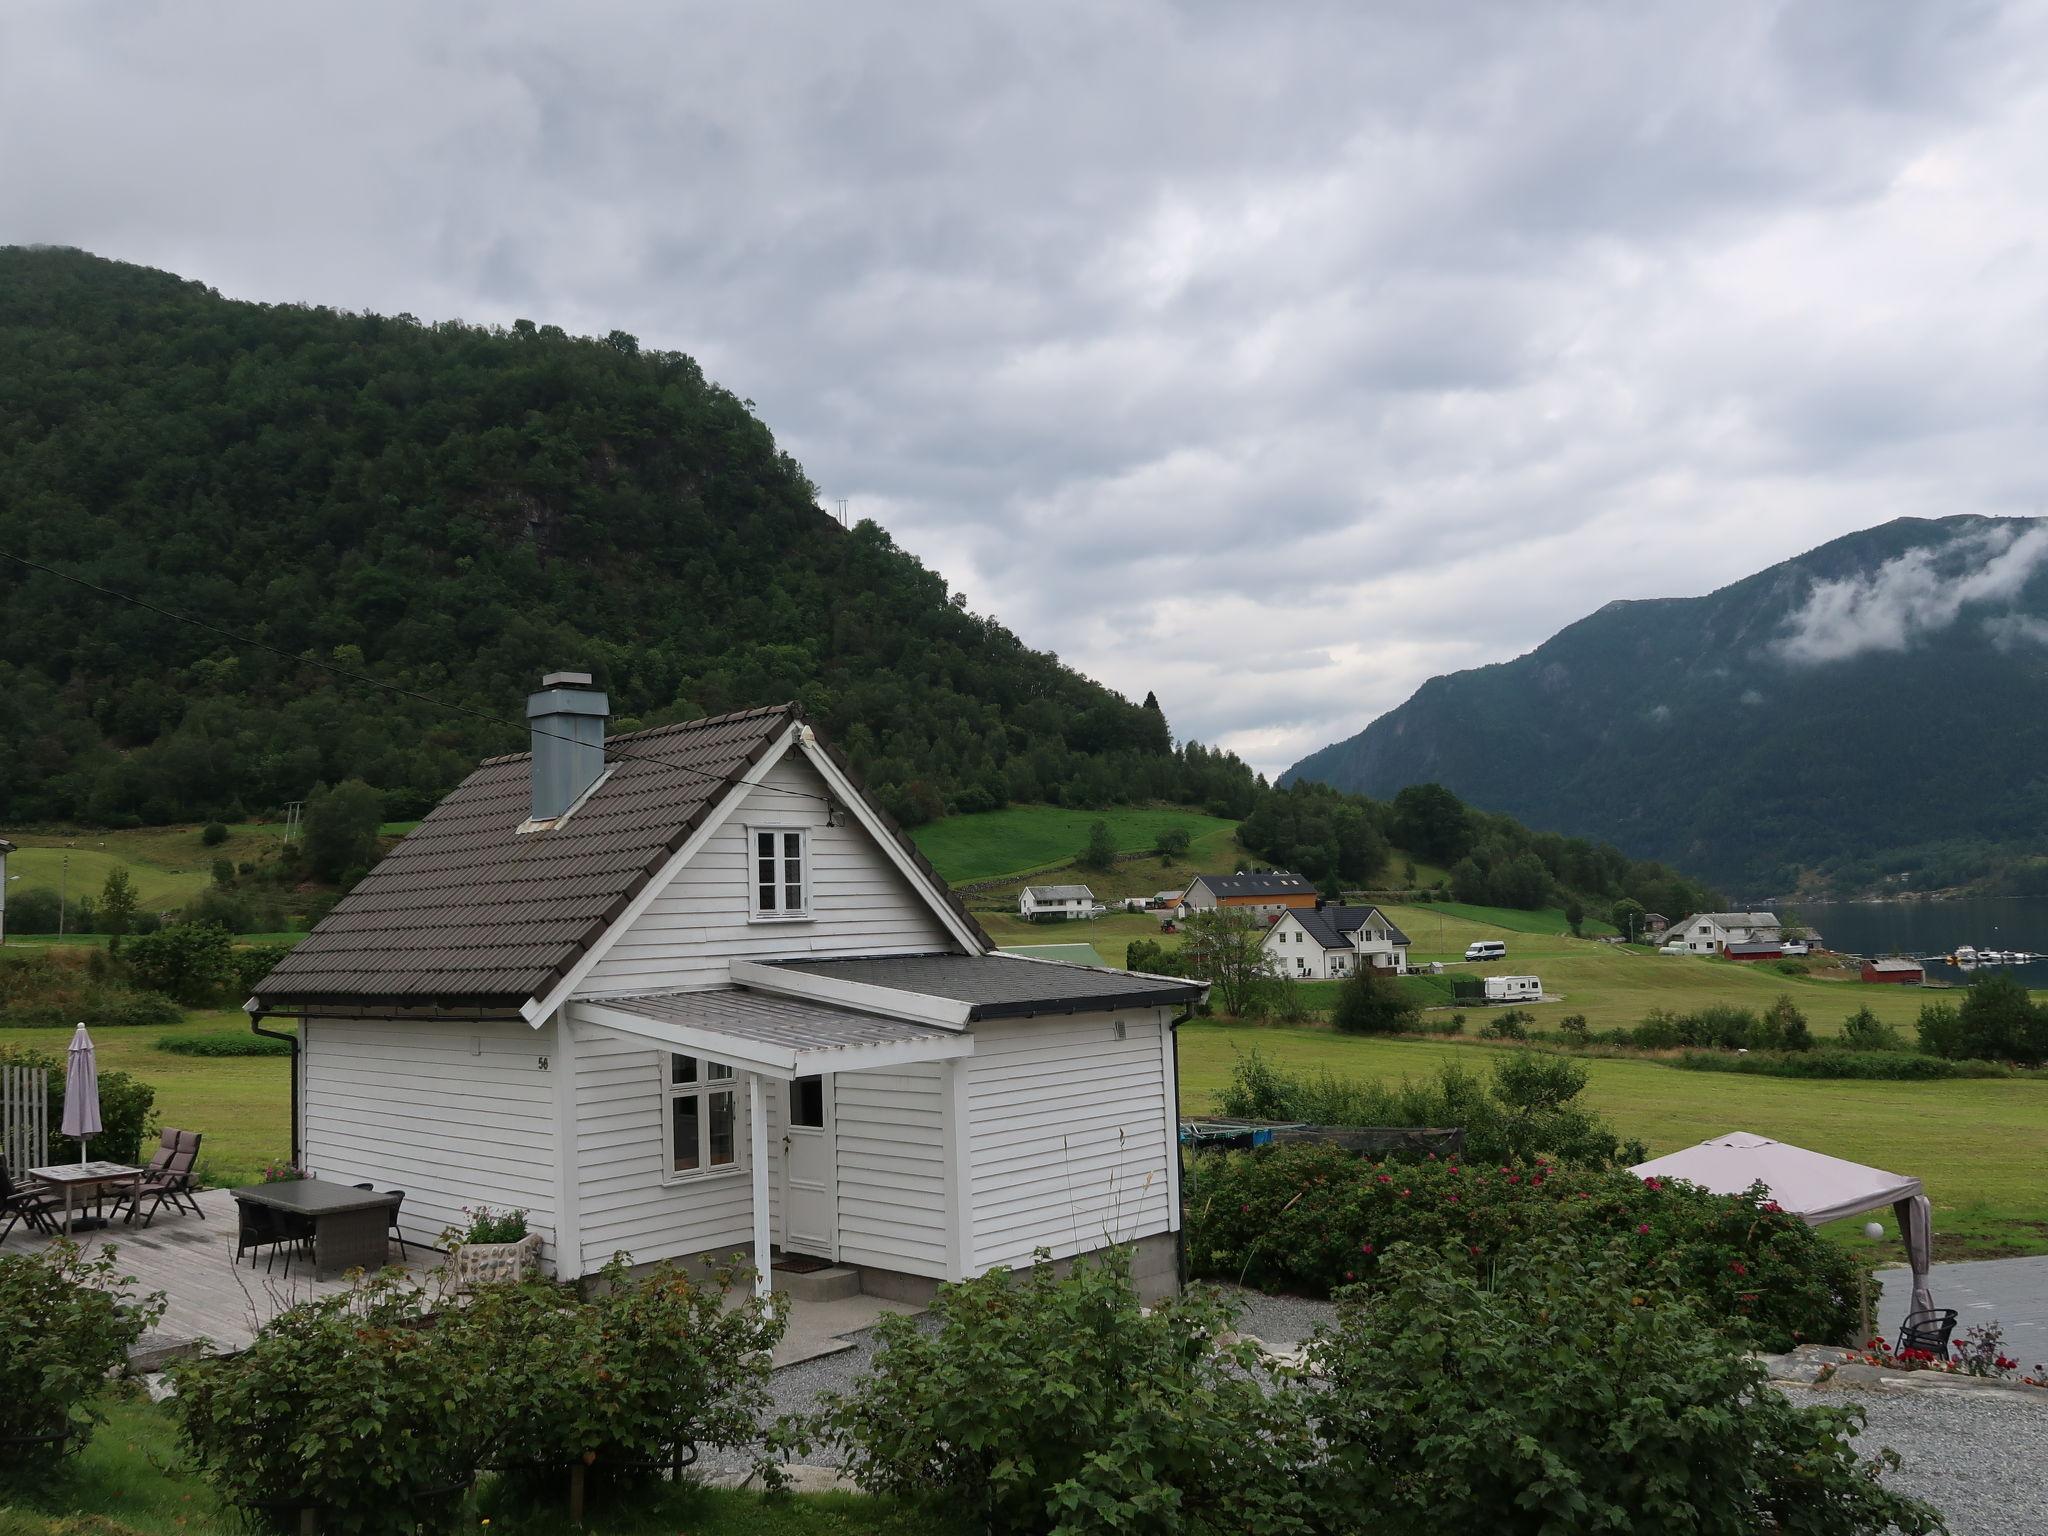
{"x": 1273, "y": 360}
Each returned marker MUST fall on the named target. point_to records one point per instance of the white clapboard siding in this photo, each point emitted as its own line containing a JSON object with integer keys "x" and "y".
{"x": 627, "y": 1204}
{"x": 860, "y": 903}
{"x": 454, "y": 1114}
{"x": 889, "y": 1136}
{"x": 1069, "y": 1137}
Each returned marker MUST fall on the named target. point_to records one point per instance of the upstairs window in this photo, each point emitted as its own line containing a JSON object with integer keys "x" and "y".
{"x": 703, "y": 1117}
{"x": 780, "y": 872}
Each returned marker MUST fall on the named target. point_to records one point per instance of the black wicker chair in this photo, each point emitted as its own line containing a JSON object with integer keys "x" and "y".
{"x": 1928, "y": 1331}
{"x": 392, "y": 1233}
{"x": 23, "y": 1203}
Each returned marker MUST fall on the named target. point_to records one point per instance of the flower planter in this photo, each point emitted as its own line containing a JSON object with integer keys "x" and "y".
{"x": 474, "y": 1264}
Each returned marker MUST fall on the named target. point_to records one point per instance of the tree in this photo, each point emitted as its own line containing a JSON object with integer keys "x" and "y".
{"x": 223, "y": 872}
{"x": 1100, "y": 854}
{"x": 1172, "y": 842}
{"x": 1785, "y": 1026}
{"x": 1430, "y": 820}
{"x": 214, "y": 834}
{"x": 1864, "y": 1031}
{"x": 1999, "y": 1022}
{"x": 341, "y": 828}
{"x": 117, "y": 905}
{"x": 1371, "y": 1004}
{"x": 1228, "y": 947}
{"x": 1627, "y": 917}
{"x": 190, "y": 962}
{"x": 1575, "y": 915}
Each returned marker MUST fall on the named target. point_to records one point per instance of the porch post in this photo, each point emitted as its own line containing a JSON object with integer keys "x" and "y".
{"x": 757, "y": 1146}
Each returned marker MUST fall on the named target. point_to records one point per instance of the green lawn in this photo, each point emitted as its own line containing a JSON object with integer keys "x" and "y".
{"x": 1978, "y": 1144}
{"x": 240, "y": 1104}
{"x": 169, "y": 865}
{"x": 1023, "y": 838}
{"x": 129, "y": 1481}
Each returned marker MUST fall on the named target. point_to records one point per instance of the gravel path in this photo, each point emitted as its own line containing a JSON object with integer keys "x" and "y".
{"x": 1981, "y": 1458}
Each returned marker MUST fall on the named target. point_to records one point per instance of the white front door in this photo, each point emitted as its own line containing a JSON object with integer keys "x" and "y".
{"x": 807, "y": 1168}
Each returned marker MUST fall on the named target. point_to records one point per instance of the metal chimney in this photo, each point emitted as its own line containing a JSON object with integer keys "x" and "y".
{"x": 567, "y": 717}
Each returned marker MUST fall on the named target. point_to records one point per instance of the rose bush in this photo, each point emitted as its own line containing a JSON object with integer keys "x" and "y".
{"x": 1313, "y": 1218}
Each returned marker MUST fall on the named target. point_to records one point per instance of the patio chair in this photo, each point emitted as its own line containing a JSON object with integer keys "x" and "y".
{"x": 167, "y": 1178}
{"x": 1928, "y": 1331}
{"x": 261, "y": 1227}
{"x": 36, "y": 1208}
{"x": 397, "y": 1205}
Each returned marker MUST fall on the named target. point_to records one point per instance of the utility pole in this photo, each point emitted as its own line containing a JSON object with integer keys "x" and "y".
{"x": 63, "y": 888}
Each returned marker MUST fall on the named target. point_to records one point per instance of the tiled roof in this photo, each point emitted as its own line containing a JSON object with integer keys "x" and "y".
{"x": 1332, "y": 927}
{"x": 469, "y": 911}
{"x": 1278, "y": 882}
{"x": 1004, "y": 986}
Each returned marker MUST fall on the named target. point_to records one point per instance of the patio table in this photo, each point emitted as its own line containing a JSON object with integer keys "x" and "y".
{"x": 350, "y": 1225}
{"x": 85, "y": 1179}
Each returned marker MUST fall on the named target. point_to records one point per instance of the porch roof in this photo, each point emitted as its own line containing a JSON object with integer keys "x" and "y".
{"x": 780, "y": 1037}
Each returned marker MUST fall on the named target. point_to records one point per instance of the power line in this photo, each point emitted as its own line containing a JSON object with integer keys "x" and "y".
{"x": 368, "y": 681}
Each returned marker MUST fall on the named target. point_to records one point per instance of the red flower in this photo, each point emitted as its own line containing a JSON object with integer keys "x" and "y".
{"x": 1350, "y": 1274}
{"x": 1738, "y": 1266}
{"x": 1365, "y": 1247}
{"x": 1404, "y": 1194}
{"x": 1644, "y": 1228}
{"x": 1475, "y": 1253}
{"x": 1452, "y": 1196}
{"x": 1242, "y": 1209}
{"x": 1652, "y": 1184}
{"x": 1516, "y": 1178}
{"x": 1386, "y": 1179}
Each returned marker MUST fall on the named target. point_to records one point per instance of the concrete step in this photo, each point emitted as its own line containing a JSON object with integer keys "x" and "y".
{"x": 833, "y": 1284}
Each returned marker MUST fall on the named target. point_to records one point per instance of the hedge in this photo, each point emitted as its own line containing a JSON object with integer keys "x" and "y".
{"x": 1896, "y": 1066}
{"x": 1310, "y": 1218}
{"x": 216, "y": 1044}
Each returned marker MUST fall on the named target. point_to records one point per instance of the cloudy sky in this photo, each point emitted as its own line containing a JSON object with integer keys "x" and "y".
{"x": 1272, "y": 357}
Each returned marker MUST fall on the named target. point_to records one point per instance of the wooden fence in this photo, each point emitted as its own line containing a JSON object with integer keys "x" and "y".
{"x": 24, "y": 1117}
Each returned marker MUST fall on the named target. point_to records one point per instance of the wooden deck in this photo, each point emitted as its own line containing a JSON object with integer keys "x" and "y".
{"x": 210, "y": 1297}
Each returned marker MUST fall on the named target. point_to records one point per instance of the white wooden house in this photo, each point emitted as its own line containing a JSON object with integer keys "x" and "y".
{"x": 1040, "y": 902}
{"x": 688, "y": 992}
{"x": 1709, "y": 933}
{"x": 1322, "y": 943}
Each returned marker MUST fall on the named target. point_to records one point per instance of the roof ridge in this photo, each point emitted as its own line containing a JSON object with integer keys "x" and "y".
{"x": 703, "y": 722}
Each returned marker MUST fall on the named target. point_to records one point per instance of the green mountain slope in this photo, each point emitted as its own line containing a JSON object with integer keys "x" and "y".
{"x": 457, "y": 510}
{"x": 1871, "y": 713}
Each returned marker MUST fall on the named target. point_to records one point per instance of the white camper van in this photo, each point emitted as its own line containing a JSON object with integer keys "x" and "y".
{"x": 1514, "y": 989}
{"x": 1486, "y": 949}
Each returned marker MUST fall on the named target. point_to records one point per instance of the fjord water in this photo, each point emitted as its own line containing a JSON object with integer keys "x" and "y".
{"x": 1922, "y": 928}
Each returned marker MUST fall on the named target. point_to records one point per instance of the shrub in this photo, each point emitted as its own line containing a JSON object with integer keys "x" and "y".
{"x": 1791, "y": 967}
{"x": 489, "y": 1226}
{"x": 1573, "y": 1389}
{"x": 625, "y": 1383}
{"x": 1511, "y": 1025}
{"x": 1939, "y": 1030}
{"x": 191, "y": 962}
{"x": 1573, "y": 1027}
{"x": 1037, "y": 1403}
{"x": 68, "y": 1320}
{"x": 1371, "y": 1004}
{"x": 1100, "y": 854}
{"x": 1658, "y": 1032}
{"x": 126, "y": 1104}
{"x": 219, "y": 1044}
{"x": 1516, "y": 1113}
{"x": 1456, "y": 1026}
{"x": 351, "y": 1405}
{"x": 250, "y": 963}
{"x": 1834, "y": 1061}
{"x": 213, "y": 834}
{"x": 1999, "y": 1021}
{"x": 1308, "y": 1217}
{"x": 1171, "y": 843}
{"x": 1781, "y": 1027}
{"x": 1864, "y": 1031}
{"x": 235, "y": 910}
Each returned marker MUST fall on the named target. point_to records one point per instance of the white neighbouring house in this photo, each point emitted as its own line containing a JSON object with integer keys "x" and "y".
{"x": 688, "y": 992}
{"x": 1321, "y": 943}
{"x": 1057, "y": 901}
{"x": 1708, "y": 933}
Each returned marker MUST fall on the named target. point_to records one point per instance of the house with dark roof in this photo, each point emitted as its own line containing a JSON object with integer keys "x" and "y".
{"x": 1709, "y": 933}
{"x": 1322, "y": 943}
{"x": 1038, "y": 902}
{"x": 1265, "y": 892}
{"x": 688, "y": 991}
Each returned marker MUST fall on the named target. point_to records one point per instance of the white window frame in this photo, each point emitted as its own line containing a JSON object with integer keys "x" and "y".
{"x": 755, "y": 832}
{"x": 701, "y": 1090}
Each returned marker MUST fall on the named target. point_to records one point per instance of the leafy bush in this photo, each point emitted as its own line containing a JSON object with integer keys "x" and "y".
{"x": 1172, "y": 842}
{"x": 235, "y": 910}
{"x": 68, "y": 1319}
{"x": 489, "y": 1226}
{"x": 52, "y": 989}
{"x": 1307, "y": 1217}
{"x": 1371, "y": 1004}
{"x": 1832, "y": 1061}
{"x": 1573, "y": 1388}
{"x": 1524, "y": 1109}
{"x": 1791, "y": 967}
{"x": 192, "y": 962}
{"x": 126, "y": 1105}
{"x": 353, "y": 1405}
{"x": 215, "y": 1043}
{"x": 1864, "y": 1031}
{"x": 1573, "y": 1027}
{"x": 625, "y": 1383}
{"x": 213, "y": 834}
{"x": 1998, "y": 1021}
{"x": 1510, "y": 1025}
{"x": 1037, "y": 1404}
{"x": 252, "y": 962}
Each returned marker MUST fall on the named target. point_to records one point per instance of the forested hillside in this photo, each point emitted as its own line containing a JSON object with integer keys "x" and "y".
{"x": 1870, "y": 715}
{"x": 458, "y": 509}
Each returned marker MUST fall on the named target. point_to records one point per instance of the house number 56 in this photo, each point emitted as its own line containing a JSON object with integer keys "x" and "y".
{"x": 543, "y": 1062}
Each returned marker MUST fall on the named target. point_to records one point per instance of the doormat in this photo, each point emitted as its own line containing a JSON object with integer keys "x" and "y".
{"x": 799, "y": 1264}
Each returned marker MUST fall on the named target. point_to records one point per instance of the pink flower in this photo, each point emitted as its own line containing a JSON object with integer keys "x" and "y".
{"x": 1242, "y": 1209}
{"x": 1365, "y": 1247}
{"x": 1644, "y": 1229}
{"x": 1432, "y": 1157}
{"x": 1516, "y": 1178}
{"x": 1386, "y": 1179}
{"x": 1652, "y": 1184}
{"x": 1404, "y": 1194}
{"x": 1452, "y": 1197}
{"x": 1350, "y": 1274}
{"x": 1475, "y": 1253}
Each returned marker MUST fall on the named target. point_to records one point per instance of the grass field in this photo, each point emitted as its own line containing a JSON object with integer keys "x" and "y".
{"x": 1979, "y": 1145}
{"x": 169, "y": 865}
{"x": 241, "y": 1104}
{"x": 1023, "y": 838}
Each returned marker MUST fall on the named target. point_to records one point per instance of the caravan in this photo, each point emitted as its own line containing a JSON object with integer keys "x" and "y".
{"x": 1514, "y": 989}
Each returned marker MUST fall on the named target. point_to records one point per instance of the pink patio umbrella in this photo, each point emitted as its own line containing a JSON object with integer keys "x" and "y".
{"x": 81, "y": 1091}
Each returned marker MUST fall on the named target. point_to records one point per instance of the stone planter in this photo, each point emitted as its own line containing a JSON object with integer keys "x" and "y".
{"x": 474, "y": 1264}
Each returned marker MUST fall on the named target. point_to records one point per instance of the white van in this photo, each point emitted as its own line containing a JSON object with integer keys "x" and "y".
{"x": 1510, "y": 989}
{"x": 1486, "y": 949}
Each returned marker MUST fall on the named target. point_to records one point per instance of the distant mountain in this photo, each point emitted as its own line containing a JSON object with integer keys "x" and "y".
{"x": 457, "y": 509}
{"x": 1870, "y": 715}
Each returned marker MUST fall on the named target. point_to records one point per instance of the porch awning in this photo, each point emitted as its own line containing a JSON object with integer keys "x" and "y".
{"x": 780, "y": 1037}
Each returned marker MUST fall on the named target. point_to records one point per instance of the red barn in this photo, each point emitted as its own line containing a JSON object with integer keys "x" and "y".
{"x": 1754, "y": 949}
{"x": 1905, "y": 972}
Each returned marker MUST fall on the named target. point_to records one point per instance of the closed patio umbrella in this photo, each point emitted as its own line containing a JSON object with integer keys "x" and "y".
{"x": 81, "y": 1091}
